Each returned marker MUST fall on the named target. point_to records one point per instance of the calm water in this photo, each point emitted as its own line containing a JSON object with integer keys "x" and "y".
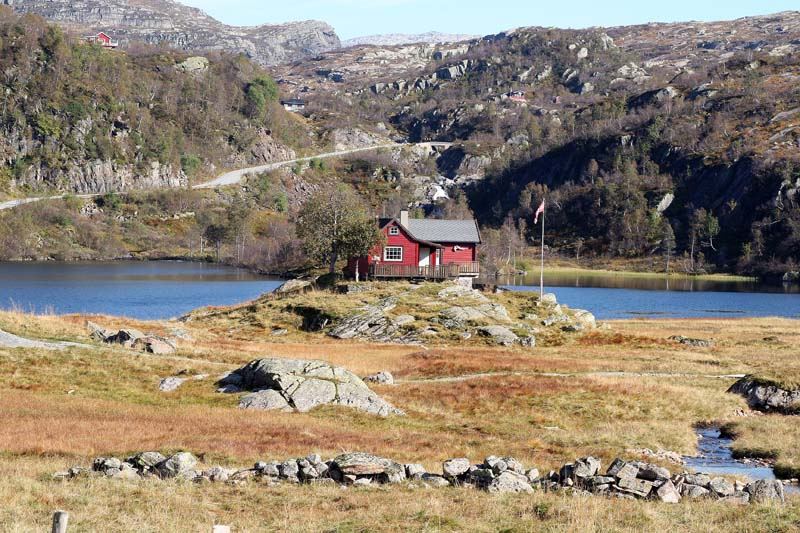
{"x": 145, "y": 290}
{"x": 612, "y": 297}
{"x": 157, "y": 290}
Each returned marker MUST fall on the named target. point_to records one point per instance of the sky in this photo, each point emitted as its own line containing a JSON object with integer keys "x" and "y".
{"x": 355, "y": 18}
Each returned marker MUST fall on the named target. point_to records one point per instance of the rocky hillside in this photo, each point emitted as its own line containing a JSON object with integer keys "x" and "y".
{"x": 394, "y": 39}
{"x": 78, "y": 118}
{"x": 650, "y": 141}
{"x": 183, "y": 27}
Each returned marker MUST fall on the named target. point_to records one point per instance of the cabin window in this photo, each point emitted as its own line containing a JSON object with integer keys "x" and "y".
{"x": 394, "y": 230}
{"x": 393, "y": 253}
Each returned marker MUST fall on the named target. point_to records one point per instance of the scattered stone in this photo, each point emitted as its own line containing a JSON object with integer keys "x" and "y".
{"x": 696, "y": 343}
{"x": 170, "y": 384}
{"x": 383, "y": 378}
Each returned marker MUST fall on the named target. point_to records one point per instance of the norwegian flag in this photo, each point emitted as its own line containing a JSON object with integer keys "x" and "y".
{"x": 539, "y": 211}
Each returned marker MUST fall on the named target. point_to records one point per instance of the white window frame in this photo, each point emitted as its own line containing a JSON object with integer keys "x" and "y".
{"x": 386, "y": 254}
{"x": 394, "y": 230}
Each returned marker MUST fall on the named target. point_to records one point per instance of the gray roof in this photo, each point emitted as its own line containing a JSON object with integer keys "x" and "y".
{"x": 434, "y": 230}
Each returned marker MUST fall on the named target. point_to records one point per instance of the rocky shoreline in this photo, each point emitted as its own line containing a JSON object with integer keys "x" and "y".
{"x": 623, "y": 479}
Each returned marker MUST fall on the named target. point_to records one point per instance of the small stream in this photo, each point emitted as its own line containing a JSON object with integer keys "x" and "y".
{"x": 715, "y": 457}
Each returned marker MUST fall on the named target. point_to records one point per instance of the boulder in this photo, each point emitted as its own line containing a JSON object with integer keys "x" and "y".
{"x": 637, "y": 487}
{"x": 721, "y": 487}
{"x": 621, "y": 469}
{"x": 433, "y": 480}
{"x": 193, "y": 65}
{"x": 302, "y": 385}
{"x": 452, "y": 468}
{"x": 766, "y": 396}
{"x": 154, "y": 345}
{"x": 701, "y": 480}
{"x": 585, "y": 319}
{"x": 693, "y": 491}
{"x": 126, "y": 337}
{"x": 652, "y": 472}
{"x": 548, "y": 299}
{"x": 765, "y": 490}
{"x": 170, "y": 384}
{"x": 178, "y": 465}
{"x": 415, "y": 471}
{"x": 510, "y": 481}
{"x": 667, "y": 493}
{"x": 364, "y": 464}
{"x": 293, "y": 286}
{"x": 145, "y": 461}
{"x": 585, "y": 468}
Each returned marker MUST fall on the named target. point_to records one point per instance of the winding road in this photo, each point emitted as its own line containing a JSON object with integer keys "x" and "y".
{"x": 235, "y": 176}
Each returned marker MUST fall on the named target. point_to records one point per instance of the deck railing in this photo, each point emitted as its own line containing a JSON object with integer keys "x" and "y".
{"x": 449, "y": 271}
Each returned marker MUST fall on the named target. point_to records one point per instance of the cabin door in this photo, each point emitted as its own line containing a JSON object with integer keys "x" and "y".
{"x": 424, "y": 257}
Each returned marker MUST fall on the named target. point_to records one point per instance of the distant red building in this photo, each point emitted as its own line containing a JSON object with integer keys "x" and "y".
{"x": 102, "y": 39}
{"x": 422, "y": 248}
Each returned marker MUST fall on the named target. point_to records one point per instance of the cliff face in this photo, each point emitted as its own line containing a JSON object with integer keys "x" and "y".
{"x": 183, "y": 27}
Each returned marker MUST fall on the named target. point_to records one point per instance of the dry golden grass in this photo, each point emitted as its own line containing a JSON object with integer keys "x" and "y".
{"x": 622, "y": 388}
{"x": 150, "y": 506}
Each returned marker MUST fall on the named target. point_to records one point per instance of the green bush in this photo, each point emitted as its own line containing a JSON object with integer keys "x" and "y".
{"x": 190, "y": 164}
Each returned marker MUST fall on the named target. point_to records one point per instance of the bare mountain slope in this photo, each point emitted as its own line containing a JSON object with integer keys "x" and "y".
{"x": 184, "y": 27}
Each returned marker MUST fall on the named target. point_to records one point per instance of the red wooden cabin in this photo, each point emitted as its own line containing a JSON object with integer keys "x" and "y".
{"x": 102, "y": 39}
{"x": 422, "y": 248}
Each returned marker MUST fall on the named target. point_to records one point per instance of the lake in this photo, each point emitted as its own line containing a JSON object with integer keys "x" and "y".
{"x": 137, "y": 289}
{"x": 167, "y": 289}
{"x": 617, "y": 296}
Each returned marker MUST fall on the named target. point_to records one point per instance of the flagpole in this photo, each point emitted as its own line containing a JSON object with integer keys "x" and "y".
{"x": 541, "y": 271}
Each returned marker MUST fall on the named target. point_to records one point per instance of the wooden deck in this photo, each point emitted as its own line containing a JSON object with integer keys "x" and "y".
{"x": 450, "y": 271}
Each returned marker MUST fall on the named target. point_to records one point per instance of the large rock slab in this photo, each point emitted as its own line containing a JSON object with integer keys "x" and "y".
{"x": 499, "y": 334}
{"x": 301, "y": 385}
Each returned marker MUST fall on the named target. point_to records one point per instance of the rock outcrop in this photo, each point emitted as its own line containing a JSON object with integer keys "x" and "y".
{"x": 766, "y": 396}
{"x": 301, "y": 385}
{"x": 134, "y": 339}
{"x": 168, "y": 22}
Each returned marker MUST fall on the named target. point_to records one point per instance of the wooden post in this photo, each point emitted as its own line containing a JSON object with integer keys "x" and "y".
{"x": 221, "y": 529}
{"x": 60, "y": 519}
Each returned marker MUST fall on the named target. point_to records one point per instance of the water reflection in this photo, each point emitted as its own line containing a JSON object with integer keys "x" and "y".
{"x": 616, "y": 296}
{"x": 665, "y": 283}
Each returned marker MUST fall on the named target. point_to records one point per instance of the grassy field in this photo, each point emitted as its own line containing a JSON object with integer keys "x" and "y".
{"x": 620, "y": 388}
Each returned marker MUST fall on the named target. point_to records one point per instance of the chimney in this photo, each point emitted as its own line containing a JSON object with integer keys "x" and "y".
{"x": 404, "y": 218}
